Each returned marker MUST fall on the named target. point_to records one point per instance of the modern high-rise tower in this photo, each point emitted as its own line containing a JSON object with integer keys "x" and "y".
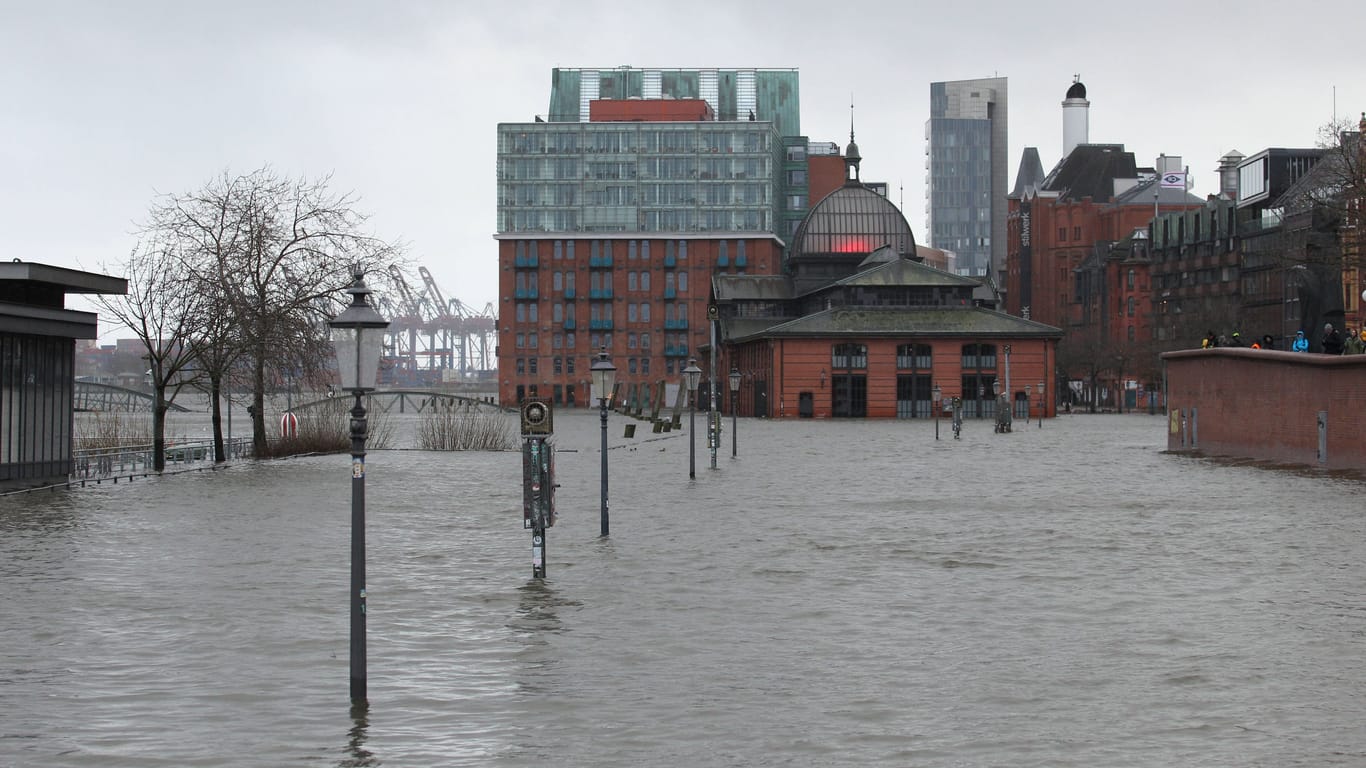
{"x": 965, "y": 187}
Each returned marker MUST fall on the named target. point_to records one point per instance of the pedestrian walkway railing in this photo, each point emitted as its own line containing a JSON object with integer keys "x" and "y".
{"x": 95, "y": 463}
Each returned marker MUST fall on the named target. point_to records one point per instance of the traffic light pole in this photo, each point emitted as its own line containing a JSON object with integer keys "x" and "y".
{"x": 538, "y": 480}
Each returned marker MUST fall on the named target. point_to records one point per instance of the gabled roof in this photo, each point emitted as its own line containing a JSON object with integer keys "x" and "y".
{"x": 1142, "y": 194}
{"x": 1090, "y": 170}
{"x": 903, "y": 272}
{"x": 751, "y": 287}
{"x": 962, "y": 321}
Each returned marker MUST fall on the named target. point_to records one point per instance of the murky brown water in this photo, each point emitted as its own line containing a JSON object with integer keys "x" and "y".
{"x": 845, "y": 593}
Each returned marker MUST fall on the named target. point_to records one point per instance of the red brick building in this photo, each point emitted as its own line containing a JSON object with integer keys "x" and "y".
{"x": 1077, "y": 258}
{"x": 642, "y": 297}
{"x": 856, "y": 326}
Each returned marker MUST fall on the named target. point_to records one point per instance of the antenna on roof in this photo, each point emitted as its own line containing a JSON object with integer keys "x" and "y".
{"x": 851, "y": 117}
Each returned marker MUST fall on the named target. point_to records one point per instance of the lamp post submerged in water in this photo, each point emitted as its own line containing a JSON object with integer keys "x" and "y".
{"x": 692, "y": 375}
{"x": 936, "y": 407}
{"x": 734, "y": 398}
{"x": 604, "y": 380}
{"x": 357, "y": 336}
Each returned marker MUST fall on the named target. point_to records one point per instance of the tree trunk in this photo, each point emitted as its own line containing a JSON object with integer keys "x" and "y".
{"x": 216, "y": 409}
{"x": 159, "y": 409}
{"x": 258, "y": 403}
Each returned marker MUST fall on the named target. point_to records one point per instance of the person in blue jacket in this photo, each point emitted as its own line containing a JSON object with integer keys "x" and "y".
{"x": 1300, "y": 344}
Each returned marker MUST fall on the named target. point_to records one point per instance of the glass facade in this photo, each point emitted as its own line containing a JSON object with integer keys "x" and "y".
{"x": 766, "y": 95}
{"x": 853, "y": 221}
{"x": 639, "y": 177}
{"x": 966, "y": 184}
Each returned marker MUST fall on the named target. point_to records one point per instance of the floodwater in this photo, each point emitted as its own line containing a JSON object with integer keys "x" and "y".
{"x": 841, "y": 594}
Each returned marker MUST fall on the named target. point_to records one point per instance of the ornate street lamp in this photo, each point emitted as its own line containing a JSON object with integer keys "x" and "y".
{"x": 734, "y": 398}
{"x": 691, "y": 376}
{"x": 604, "y": 380}
{"x": 357, "y": 337}
{"x": 1043, "y": 405}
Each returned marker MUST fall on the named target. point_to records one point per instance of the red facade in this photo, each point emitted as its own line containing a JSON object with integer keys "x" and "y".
{"x": 643, "y": 298}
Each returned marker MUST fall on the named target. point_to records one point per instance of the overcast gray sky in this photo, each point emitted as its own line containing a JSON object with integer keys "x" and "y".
{"x": 107, "y": 104}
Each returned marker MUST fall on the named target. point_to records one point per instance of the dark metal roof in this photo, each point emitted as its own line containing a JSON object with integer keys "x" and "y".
{"x": 1090, "y": 170}
{"x": 962, "y": 321}
{"x": 751, "y": 287}
{"x": 1030, "y": 175}
{"x": 1077, "y": 91}
{"x": 1143, "y": 194}
{"x": 905, "y": 272}
{"x": 69, "y": 280}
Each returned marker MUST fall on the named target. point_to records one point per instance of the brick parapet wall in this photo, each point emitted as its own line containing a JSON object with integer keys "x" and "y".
{"x": 1265, "y": 404}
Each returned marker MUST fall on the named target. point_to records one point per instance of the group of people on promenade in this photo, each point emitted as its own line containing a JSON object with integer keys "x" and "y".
{"x": 1333, "y": 341}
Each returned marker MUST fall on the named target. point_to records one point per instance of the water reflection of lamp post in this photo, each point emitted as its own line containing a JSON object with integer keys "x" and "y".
{"x": 357, "y": 335}
{"x": 937, "y": 394}
{"x": 604, "y": 379}
{"x": 734, "y": 397}
{"x": 692, "y": 375}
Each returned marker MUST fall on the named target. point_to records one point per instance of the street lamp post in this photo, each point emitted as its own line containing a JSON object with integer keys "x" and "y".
{"x": 937, "y": 394}
{"x": 604, "y": 379}
{"x": 734, "y": 397}
{"x": 357, "y": 336}
{"x": 692, "y": 375}
{"x": 1043, "y": 405}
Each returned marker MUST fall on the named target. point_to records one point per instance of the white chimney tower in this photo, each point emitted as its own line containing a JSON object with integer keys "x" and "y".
{"x": 1076, "y": 117}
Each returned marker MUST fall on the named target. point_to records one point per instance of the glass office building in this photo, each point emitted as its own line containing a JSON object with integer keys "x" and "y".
{"x": 966, "y": 175}
{"x": 640, "y": 177}
{"x": 739, "y": 167}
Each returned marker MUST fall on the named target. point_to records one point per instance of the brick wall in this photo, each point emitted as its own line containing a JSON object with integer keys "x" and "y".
{"x": 1264, "y": 404}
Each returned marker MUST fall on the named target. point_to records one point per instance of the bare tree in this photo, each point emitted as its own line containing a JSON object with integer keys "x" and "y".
{"x": 271, "y": 256}
{"x": 161, "y": 307}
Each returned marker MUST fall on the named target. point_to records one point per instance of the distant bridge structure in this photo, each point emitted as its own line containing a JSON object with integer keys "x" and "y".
{"x": 431, "y": 339}
{"x": 107, "y": 398}
{"x": 408, "y": 400}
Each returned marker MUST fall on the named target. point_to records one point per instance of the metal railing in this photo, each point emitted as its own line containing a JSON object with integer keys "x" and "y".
{"x": 95, "y": 463}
